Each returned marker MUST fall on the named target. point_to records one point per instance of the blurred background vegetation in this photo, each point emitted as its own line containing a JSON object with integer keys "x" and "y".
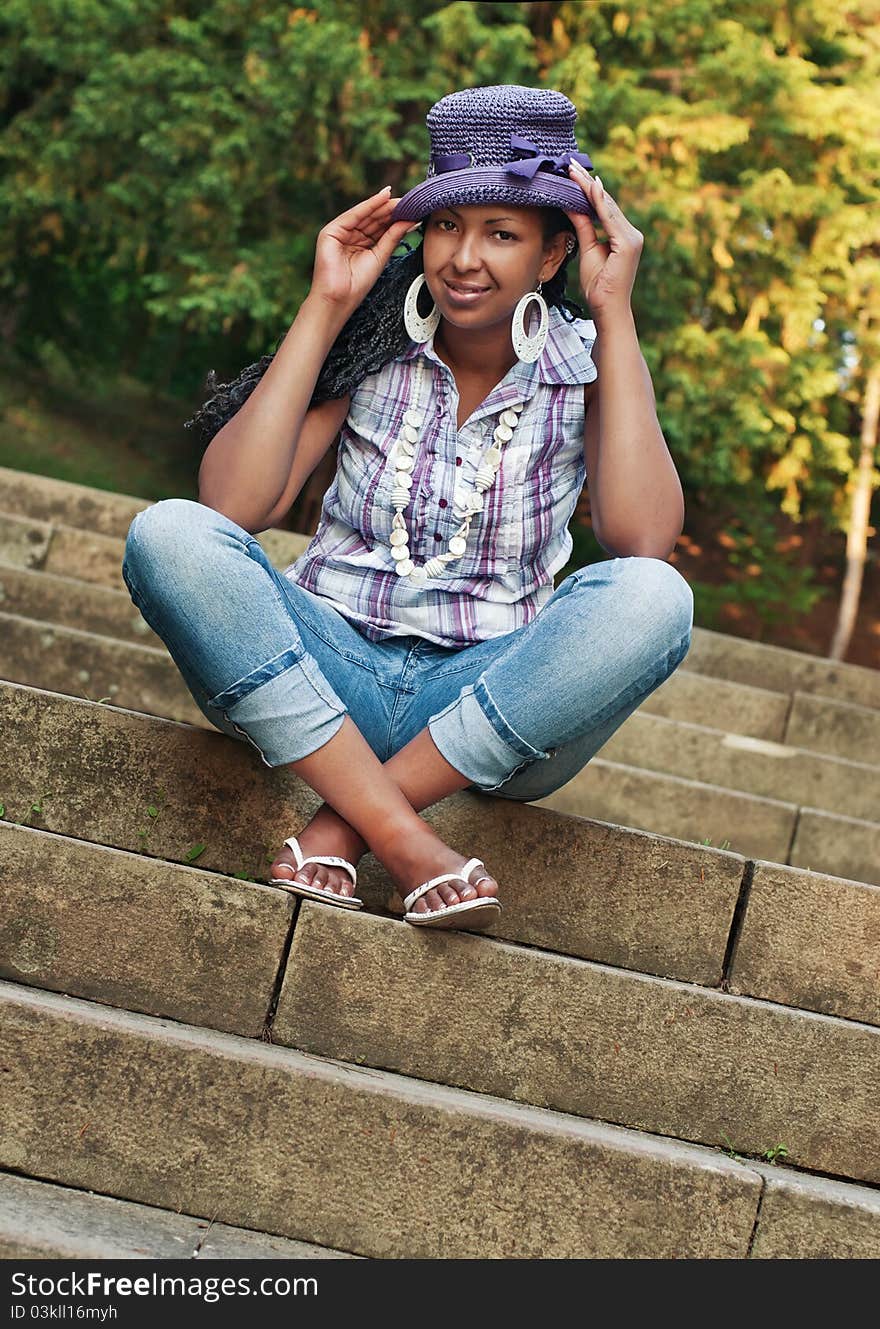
{"x": 165, "y": 168}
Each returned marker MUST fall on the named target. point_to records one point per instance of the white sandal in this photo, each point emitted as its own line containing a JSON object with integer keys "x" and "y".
{"x": 315, "y": 892}
{"x": 488, "y": 907}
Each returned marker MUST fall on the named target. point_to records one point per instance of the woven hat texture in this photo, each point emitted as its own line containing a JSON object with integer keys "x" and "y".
{"x": 504, "y": 143}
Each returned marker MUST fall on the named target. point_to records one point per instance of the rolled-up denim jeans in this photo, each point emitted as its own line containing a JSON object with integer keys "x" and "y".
{"x": 269, "y": 663}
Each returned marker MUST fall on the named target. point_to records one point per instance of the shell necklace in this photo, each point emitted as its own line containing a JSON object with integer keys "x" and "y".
{"x": 402, "y": 457}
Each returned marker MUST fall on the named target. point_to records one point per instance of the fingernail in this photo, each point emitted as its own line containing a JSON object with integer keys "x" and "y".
{"x": 598, "y": 181}
{"x": 386, "y": 189}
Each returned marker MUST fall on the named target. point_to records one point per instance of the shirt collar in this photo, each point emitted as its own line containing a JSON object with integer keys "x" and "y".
{"x": 564, "y": 359}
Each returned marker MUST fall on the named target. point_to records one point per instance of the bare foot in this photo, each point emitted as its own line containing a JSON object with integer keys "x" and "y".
{"x": 326, "y": 834}
{"x": 415, "y": 857}
{"x": 424, "y": 855}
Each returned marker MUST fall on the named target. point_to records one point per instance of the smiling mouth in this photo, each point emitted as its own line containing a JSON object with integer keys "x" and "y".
{"x": 467, "y": 290}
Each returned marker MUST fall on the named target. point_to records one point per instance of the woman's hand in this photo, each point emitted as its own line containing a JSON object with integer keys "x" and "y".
{"x": 607, "y": 271}
{"x": 352, "y": 250}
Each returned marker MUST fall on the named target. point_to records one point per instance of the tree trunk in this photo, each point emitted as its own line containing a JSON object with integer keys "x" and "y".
{"x": 857, "y": 535}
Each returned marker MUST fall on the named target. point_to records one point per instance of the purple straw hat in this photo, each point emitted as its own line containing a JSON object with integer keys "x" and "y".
{"x": 500, "y": 144}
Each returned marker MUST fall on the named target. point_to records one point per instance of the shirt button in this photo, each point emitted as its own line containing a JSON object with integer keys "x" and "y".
{"x": 458, "y": 461}
{"x": 442, "y": 503}
{"x": 437, "y": 535}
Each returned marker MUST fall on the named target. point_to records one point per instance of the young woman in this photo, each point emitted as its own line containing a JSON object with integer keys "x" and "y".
{"x": 418, "y": 647}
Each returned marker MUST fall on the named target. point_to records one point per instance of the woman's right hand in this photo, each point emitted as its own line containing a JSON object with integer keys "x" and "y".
{"x": 353, "y": 249}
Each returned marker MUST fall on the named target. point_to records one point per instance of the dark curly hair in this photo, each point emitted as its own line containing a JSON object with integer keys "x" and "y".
{"x": 373, "y": 335}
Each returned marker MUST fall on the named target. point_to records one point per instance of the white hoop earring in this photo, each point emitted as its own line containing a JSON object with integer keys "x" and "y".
{"x": 529, "y": 347}
{"x": 419, "y": 328}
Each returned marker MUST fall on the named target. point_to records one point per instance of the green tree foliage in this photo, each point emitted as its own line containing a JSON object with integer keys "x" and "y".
{"x": 165, "y": 168}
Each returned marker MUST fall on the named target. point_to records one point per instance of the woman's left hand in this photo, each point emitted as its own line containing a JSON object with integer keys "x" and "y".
{"x": 607, "y": 271}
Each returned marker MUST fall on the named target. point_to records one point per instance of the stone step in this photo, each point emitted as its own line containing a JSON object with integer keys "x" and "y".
{"x": 756, "y": 827}
{"x": 95, "y": 772}
{"x": 91, "y": 556}
{"x": 60, "y": 502}
{"x": 840, "y": 728}
{"x": 585, "y": 1039}
{"x": 741, "y": 762}
{"x": 691, "y": 809}
{"x": 43, "y": 1221}
{"x": 85, "y": 665}
{"x": 781, "y": 669}
{"x": 166, "y": 1114}
{"x": 216, "y": 943}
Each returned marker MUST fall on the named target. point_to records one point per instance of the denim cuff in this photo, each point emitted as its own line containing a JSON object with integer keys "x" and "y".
{"x": 474, "y": 737}
{"x": 289, "y": 717}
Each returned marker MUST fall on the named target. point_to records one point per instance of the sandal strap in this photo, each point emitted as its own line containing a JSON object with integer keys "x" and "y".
{"x": 329, "y": 860}
{"x": 461, "y": 875}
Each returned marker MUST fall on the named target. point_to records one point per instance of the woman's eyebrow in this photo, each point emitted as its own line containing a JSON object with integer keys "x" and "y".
{"x": 489, "y": 220}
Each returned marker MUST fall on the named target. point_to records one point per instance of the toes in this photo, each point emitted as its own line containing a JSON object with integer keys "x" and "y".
{"x": 485, "y": 886}
{"x": 447, "y": 892}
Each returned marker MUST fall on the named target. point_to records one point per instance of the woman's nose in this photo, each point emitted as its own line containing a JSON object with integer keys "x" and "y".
{"x": 467, "y": 257}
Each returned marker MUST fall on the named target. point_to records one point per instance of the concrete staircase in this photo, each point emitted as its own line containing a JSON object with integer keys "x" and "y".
{"x": 665, "y": 1049}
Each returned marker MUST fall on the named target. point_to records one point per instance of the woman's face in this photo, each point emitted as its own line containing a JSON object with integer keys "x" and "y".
{"x": 479, "y": 260}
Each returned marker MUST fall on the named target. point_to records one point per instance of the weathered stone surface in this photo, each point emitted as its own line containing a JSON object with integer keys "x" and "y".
{"x": 95, "y": 770}
{"x": 670, "y": 805}
{"x": 836, "y": 727}
{"x": 86, "y": 556}
{"x": 596, "y": 891}
{"x": 67, "y": 504}
{"x": 780, "y": 669}
{"x": 173, "y": 940}
{"x": 270, "y": 1139}
{"x": 24, "y": 543}
{"x": 751, "y": 765}
{"x": 700, "y": 699}
{"x": 42, "y": 1221}
{"x": 588, "y": 889}
{"x": 94, "y": 668}
{"x": 813, "y": 1218}
{"x": 841, "y": 846}
{"x": 73, "y": 604}
{"x": 660, "y": 1056}
{"x": 812, "y": 941}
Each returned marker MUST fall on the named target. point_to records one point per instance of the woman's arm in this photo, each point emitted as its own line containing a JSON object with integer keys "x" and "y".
{"x": 636, "y": 499}
{"x": 246, "y": 466}
{"x": 245, "y": 472}
{"x": 635, "y": 493}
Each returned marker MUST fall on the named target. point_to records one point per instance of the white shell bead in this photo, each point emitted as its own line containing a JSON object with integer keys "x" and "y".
{"x": 417, "y": 576}
{"x": 398, "y": 523}
{"x": 404, "y": 448}
{"x": 457, "y": 546}
{"x": 474, "y": 503}
{"x": 399, "y": 498}
{"x": 412, "y": 418}
{"x": 399, "y": 551}
{"x": 399, "y": 537}
{"x": 404, "y": 567}
{"x": 403, "y": 462}
{"x": 492, "y": 456}
{"x": 403, "y": 480}
{"x": 503, "y": 433}
{"x": 410, "y": 433}
{"x": 509, "y": 418}
{"x": 433, "y": 568}
{"x": 486, "y": 474}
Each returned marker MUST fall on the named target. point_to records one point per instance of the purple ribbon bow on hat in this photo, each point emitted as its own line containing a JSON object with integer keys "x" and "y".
{"x": 531, "y": 159}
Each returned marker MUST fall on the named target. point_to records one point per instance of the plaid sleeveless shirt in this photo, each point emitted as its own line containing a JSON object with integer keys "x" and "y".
{"x": 518, "y": 541}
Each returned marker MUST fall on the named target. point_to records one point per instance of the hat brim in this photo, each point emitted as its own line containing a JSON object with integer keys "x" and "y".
{"x": 489, "y": 184}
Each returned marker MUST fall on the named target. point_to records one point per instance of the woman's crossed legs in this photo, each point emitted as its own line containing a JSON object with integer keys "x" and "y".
{"x": 516, "y": 716}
